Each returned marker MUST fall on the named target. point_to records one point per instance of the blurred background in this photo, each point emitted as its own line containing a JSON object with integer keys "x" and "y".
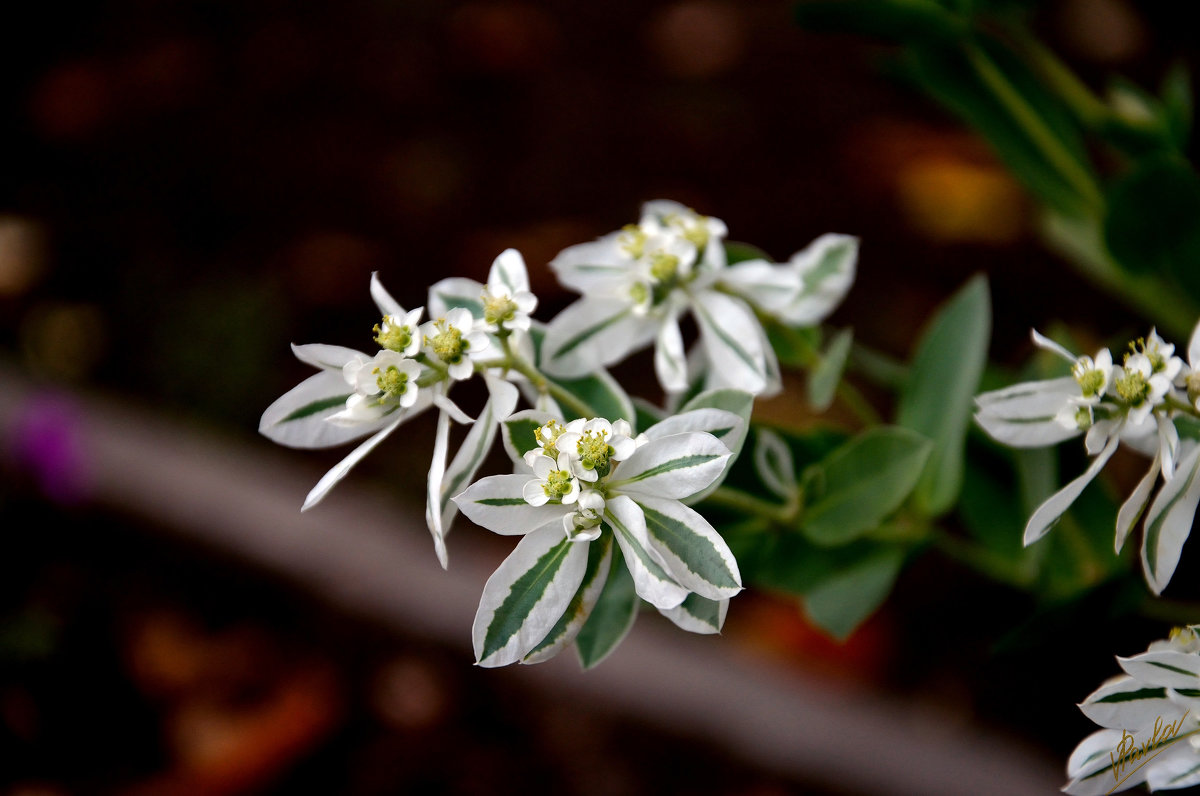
{"x": 188, "y": 187}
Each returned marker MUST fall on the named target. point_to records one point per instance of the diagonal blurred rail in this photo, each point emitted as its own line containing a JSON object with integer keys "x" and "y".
{"x": 364, "y": 553}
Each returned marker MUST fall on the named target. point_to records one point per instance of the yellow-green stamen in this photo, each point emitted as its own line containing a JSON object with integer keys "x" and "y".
{"x": 391, "y": 381}
{"x": 498, "y": 309}
{"x": 393, "y": 337}
{"x": 448, "y": 344}
{"x": 594, "y": 450}
{"x": 1091, "y": 382}
{"x": 547, "y": 435}
{"x": 558, "y": 484}
{"x": 663, "y": 266}
{"x": 632, "y": 240}
{"x": 1132, "y": 387}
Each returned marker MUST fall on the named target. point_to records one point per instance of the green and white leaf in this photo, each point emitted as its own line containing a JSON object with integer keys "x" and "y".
{"x": 1090, "y": 766}
{"x": 862, "y": 482}
{"x": 590, "y": 334}
{"x": 1169, "y": 522}
{"x": 773, "y": 463}
{"x": 612, "y": 618}
{"x": 698, "y": 614}
{"x": 1125, "y": 703}
{"x": 824, "y": 378}
{"x": 602, "y": 393}
{"x": 298, "y": 418}
{"x": 677, "y": 466}
{"x": 517, "y": 432}
{"x": 693, "y": 552}
{"x": 580, "y": 608}
{"x": 733, "y": 340}
{"x": 651, "y": 580}
{"x": 1166, "y": 668}
{"x": 526, "y": 595}
{"x": 339, "y": 470}
{"x": 475, "y": 447}
{"x": 453, "y": 293}
{"x": 496, "y": 503}
{"x": 739, "y": 403}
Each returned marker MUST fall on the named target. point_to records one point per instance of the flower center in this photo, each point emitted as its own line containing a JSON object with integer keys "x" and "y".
{"x": 392, "y": 381}
{"x": 558, "y": 484}
{"x": 639, "y": 293}
{"x": 585, "y": 520}
{"x": 663, "y": 266}
{"x": 547, "y": 435}
{"x": 393, "y": 337}
{"x": 1083, "y": 418}
{"x": 694, "y": 232}
{"x": 1091, "y": 382}
{"x": 594, "y": 451}
{"x": 1132, "y": 387}
{"x": 632, "y": 240}
{"x": 497, "y": 309}
{"x": 448, "y": 344}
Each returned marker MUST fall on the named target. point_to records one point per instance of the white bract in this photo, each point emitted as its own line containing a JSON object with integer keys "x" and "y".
{"x": 638, "y": 282}
{"x": 1136, "y": 402}
{"x": 1150, "y": 716}
{"x": 542, "y": 595}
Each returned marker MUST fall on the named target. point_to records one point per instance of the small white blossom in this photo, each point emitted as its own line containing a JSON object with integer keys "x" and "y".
{"x": 452, "y": 341}
{"x": 507, "y": 301}
{"x": 382, "y": 384}
{"x": 552, "y": 481}
{"x": 400, "y": 333}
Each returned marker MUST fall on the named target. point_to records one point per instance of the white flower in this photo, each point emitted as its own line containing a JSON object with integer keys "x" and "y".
{"x": 1113, "y": 404}
{"x": 507, "y": 301}
{"x": 636, "y": 283}
{"x": 400, "y": 333}
{"x": 382, "y": 384}
{"x": 594, "y": 444}
{"x": 552, "y": 481}
{"x": 1150, "y": 716}
{"x": 672, "y": 552}
{"x": 451, "y": 341}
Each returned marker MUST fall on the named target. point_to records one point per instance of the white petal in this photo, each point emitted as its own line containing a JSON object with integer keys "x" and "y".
{"x": 1054, "y": 506}
{"x": 1194, "y": 347}
{"x": 1043, "y": 342}
{"x": 1135, "y": 504}
{"x": 770, "y": 287}
{"x": 598, "y": 265}
{"x": 669, "y": 362}
{"x": 448, "y": 406}
{"x": 508, "y": 276}
{"x": 325, "y": 357}
{"x": 309, "y": 427}
{"x": 433, "y": 488}
{"x": 546, "y": 611}
{"x": 339, "y": 470}
{"x": 383, "y": 300}
{"x": 492, "y": 503}
{"x": 732, "y": 340}
{"x": 455, "y": 292}
{"x": 650, "y": 579}
{"x": 1169, "y": 522}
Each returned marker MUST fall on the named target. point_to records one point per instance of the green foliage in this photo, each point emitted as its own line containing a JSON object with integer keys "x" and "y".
{"x": 937, "y": 399}
{"x": 612, "y": 618}
{"x": 862, "y": 482}
{"x": 824, "y": 378}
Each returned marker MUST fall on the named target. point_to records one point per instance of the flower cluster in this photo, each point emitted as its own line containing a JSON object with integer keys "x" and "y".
{"x": 1151, "y": 402}
{"x": 1150, "y": 716}
{"x": 636, "y": 284}
{"x": 586, "y": 492}
{"x": 592, "y": 485}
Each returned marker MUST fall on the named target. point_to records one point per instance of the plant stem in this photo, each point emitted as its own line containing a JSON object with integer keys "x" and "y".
{"x": 732, "y": 498}
{"x": 1036, "y": 128}
{"x": 982, "y": 560}
{"x": 516, "y": 362}
{"x": 1172, "y": 611}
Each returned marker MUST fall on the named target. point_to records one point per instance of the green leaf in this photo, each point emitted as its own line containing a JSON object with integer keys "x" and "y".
{"x": 1177, "y": 105}
{"x": 938, "y": 398}
{"x": 773, "y": 462}
{"x": 518, "y": 432}
{"x": 741, "y": 252}
{"x": 946, "y": 74}
{"x": 823, "y": 381}
{"x": 1151, "y": 226}
{"x": 602, "y": 393}
{"x": 735, "y": 401}
{"x": 612, "y": 618}
{"x": 862, "y": 482}
{"x": 840, "y": 603}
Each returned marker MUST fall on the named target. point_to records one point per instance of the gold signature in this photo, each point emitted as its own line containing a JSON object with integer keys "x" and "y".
{"x": 1128, "y": 752}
